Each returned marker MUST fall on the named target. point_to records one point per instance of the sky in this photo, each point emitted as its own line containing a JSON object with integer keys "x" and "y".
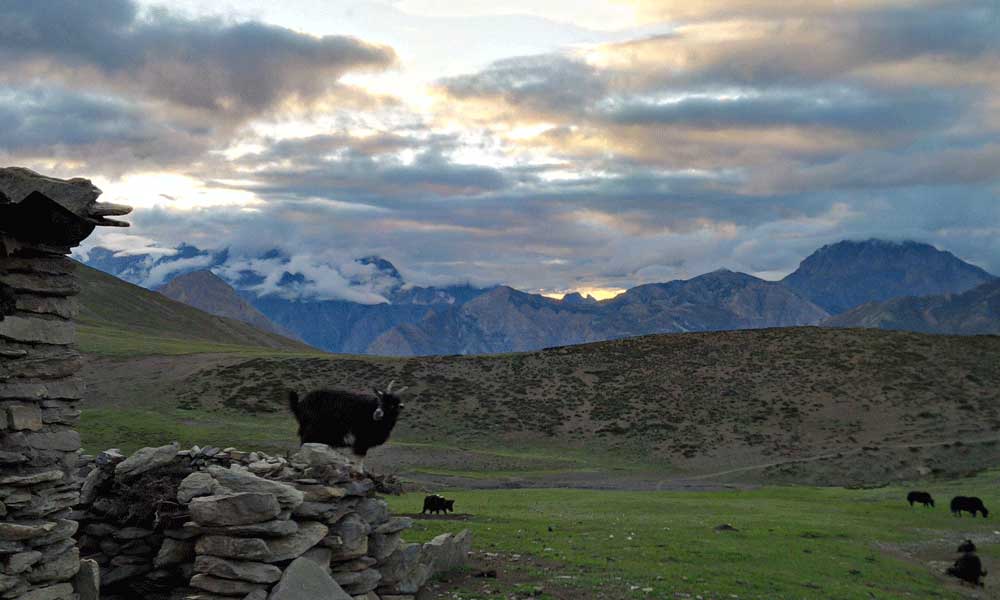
{"x": 551, "y": 145}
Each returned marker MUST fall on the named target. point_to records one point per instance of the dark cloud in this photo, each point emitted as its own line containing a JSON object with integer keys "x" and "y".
{"x": 229, "y": 70}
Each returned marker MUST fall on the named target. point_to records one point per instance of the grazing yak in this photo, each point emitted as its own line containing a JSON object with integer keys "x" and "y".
{"x": 920, "y": 497}
{"x": 345, "y": 419}
{"x": 970, "y": 504}
{"x": 968, "y": 568}
{"x": 436, "y": 504}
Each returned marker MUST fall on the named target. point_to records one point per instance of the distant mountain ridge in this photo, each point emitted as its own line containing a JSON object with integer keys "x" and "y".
{"x": 467, "y": 320}
{"x": 976, "y": 311}
{"x": 840, "y": 276}
{"x": 206, "y": 291}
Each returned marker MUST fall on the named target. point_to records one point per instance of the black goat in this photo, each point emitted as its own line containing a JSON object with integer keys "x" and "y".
{"x": 345, "y": 419}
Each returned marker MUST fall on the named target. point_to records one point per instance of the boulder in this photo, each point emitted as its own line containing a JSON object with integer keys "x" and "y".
{"x": 293, "y": 546}
{"x": 358, "y": 582}
{"x": 233, "y": 547}
{"x": 146, "y": 459}
{"x": 174, "y": 552}
{"x": 306, "y": 580}
{"x": 348, "y": 538}
{"x": 254, "y": 572}
{"x": 197, "y": 484}
{"x": 238, "y": 480}
{"x": 88, "y": 580}
{"x": 244, "y": 508}
{"x": 225, "y": 587}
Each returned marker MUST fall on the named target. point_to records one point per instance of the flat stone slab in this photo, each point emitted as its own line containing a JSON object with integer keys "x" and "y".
{"x": 254, "y": 572}
{"x": 244, "y": 508}
{"x": 306, "y": 580}
{"x": 146, "y": 459}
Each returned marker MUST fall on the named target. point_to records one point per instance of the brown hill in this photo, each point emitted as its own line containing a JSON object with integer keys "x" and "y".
{"x": 976, "y": 311}
{"x": 206, "y": 291}
{"x": 802, "y": 404}
{"x": 111, "y": 309}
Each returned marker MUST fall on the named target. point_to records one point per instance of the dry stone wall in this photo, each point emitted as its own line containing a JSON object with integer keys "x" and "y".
{"x": 232, "y": 524}
{"x": 41, "y": 219}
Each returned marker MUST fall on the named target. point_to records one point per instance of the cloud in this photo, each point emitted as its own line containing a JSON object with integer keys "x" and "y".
{"x": 230, "y": 70}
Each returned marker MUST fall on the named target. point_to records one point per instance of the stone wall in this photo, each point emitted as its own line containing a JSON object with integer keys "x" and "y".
{"x": 41, "y": 219}
{"x": 208, "y": 524}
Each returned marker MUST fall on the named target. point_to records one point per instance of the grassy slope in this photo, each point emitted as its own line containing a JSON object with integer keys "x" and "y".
{"x": 879, "y": 405}
{"x": 793, "y": 542}
{"x": 119, "y": 318}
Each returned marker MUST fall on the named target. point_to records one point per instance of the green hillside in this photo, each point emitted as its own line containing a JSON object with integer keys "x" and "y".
{"x": 119, "y": 318}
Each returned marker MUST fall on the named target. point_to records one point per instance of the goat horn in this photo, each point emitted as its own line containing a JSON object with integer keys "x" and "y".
{"x": 388, "y": 390}
{"x": 402, "y": 389}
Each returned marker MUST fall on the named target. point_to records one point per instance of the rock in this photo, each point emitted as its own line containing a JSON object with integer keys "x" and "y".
{"x": 24, "y": 417}
{"x": 254, "y": 572}
{"x": 243, "y": 508}
{"x": 373, "y": 510}
{"x": 243, "y": 481}
{"x": 174, "y": 552}
{"x": 112, "y": 456}
{"x": 254, "y": 595}
{"x": 100, "y": 529}
{"x": 357, "y": 488}
{"x": 124, "y": 572}
{"x": 316, "y": 455}
{"x": 309, "y": 534}
{"x": 225, "y": 587}
{"x": 60, "y": 568}
{"x": 395, "y": 525}
{"x": 59, "y": 591}
{"x": 268, "y": 529}
{"x": 358, "y": 564}
{"x": 38, "y": 330}
{"x": 63, "y": 530}
{"x": 132, "y": 533}
{"x": 358, "y": 582}
{"x": 320, "y": 493}
{"x": 305, "y": 580}
{"x": 13, "y": 532}
{"x": 146, "y": 459}
{"x": 233, "y": 547}
{"x": 21, "y": 561}
{"x": 321, "y": 556}
{"x": 348, "y": 538}
{"x": 32, "y": 479}
{"x": 198, "y": 484}
{"x": 88, "y": 580}
{"x": 322, "y": 511}
{"x": 95, "y": 479}
{"x": 381, "y": 545}
{"x": 447, "y": 552}
{"x": 405, "y": 571}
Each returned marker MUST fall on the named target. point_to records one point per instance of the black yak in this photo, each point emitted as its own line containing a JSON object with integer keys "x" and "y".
{"x": 345, "y": 419}
{"x": 920, "y": 497}
{"x": 970, "y": 504}
{"x": 968, "y": 568}
{"x": 436, "y": 504}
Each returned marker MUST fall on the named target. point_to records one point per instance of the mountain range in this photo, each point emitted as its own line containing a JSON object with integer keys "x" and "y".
{"x": 829, "y": 287}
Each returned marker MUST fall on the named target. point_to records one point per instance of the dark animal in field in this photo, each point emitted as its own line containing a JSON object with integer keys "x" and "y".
{"x": 967, "y": 546}
{"x": 969, "y": 504}
{"x": 921, "y": 498}
{"x": 346, "y": 419}
{"x": 968, "y": 568}
{"x": 437, "y": 504}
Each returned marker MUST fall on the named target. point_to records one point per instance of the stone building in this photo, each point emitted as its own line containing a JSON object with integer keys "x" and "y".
{"x": 41, "y": 220}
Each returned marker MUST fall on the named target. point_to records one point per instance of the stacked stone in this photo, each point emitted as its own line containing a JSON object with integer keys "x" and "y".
{"x": 256, "y": 526}
{"x": 41, "y": 219}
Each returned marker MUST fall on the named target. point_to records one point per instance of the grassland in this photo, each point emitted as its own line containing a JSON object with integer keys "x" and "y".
{"x": 792, "y": 542}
